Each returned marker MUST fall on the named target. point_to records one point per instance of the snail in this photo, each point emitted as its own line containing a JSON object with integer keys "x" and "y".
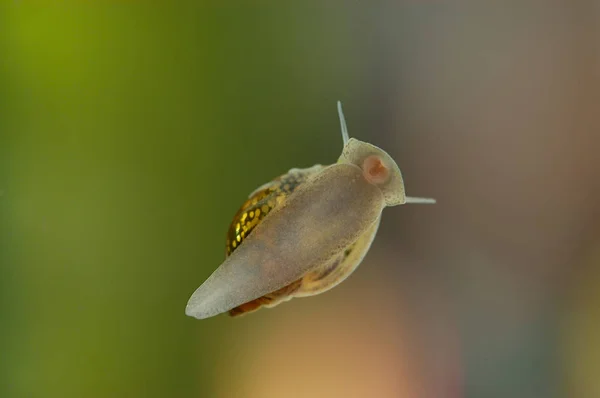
{"x": 304, "y": 232}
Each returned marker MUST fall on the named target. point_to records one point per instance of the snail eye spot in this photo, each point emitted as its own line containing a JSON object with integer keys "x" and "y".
{"x": 374, "y": 170}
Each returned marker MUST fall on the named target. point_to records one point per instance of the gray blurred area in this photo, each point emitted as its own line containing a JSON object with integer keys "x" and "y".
{"x": 499, "y": 120}
{"x": 131, "y": 133}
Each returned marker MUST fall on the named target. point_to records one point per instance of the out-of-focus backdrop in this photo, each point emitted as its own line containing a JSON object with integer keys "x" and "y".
{"x": 130, "y": 133}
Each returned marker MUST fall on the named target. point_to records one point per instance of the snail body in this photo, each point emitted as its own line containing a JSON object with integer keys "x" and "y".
{"x": 304, "y": 232}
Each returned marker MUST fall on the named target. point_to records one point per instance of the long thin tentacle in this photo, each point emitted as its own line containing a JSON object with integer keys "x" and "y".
{"x": 345, "y": 136}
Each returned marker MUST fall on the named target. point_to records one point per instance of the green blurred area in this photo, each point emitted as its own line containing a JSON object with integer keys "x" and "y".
{"x": 130, "y": 135}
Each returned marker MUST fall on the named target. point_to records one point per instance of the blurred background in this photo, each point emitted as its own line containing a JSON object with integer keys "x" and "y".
{"x": 131, "y": 133}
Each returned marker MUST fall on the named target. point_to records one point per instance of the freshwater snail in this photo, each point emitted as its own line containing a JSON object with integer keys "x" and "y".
{"x": 304, "y": 232}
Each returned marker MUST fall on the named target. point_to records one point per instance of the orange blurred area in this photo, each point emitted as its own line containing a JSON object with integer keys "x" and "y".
{"x": 355, "y": 342}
